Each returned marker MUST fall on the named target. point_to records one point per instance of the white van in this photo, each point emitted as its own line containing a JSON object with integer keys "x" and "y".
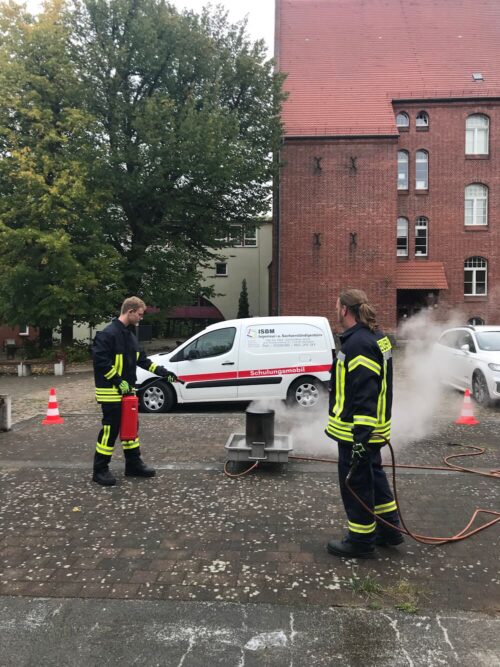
{"x": 286, "y": 358}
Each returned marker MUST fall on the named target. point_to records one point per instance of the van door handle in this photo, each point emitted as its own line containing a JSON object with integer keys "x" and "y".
{"x": 228, "y": 363}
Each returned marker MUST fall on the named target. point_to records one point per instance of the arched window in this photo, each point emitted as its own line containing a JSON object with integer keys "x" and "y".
{"x": 402, "y": 119}
{"x": 421, "y": 237}
{"x": 476, "y": 204}
{"x": 422, "y": 119}
{"x": 402, "y": 237}
{"x": 403, "y": 170}
{"x": 477, "y": 129}
{"x": 476, "y": 321}
{"x": 475, "y": 276}
{"x": 422, "y": 170}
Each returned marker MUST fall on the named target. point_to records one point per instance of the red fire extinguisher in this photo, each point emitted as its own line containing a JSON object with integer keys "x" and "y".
{"x": 130, "y": 417}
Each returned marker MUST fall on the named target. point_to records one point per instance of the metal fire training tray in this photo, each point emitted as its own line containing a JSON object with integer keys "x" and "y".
{"x": 276, "y": 452}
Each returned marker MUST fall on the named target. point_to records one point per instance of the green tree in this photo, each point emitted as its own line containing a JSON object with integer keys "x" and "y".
{"x": 243, "y": 306}
{"x": 131, "y": 137}
{"x": 52, "y": 250}
{"x": 188, "y": 111}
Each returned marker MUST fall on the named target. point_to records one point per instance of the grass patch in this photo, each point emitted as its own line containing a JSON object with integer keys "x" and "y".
{"x": 405, "y": 596}
{"x": 367, "y": 587}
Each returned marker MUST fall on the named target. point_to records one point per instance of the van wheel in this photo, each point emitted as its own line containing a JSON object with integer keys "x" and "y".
{"x": 157, "y": 397}
{"x": 305, "y": 392}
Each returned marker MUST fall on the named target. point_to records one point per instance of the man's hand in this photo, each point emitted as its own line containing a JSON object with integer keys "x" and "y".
{"x": 359, "y": 453}
{"x": 124, "y": 388}
{"x": 168, "y": 375}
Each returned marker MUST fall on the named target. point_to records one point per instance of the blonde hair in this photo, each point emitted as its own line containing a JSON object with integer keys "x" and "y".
{"x": 132, "y": 303}
{"x": 356, "y": 302}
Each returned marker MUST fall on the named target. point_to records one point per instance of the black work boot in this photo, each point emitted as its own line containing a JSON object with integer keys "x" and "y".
{"x": 389, "y": 539}
{"x": 346, "y": 548}
{"x": 135, "y": 467}
{"x": 102, "y": 474}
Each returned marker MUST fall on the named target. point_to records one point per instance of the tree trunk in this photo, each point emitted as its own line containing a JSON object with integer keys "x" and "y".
{"x": 66, "y": 333}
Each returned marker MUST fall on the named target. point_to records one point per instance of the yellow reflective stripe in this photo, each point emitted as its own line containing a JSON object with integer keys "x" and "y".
{"x": 381, "y": 406}
{"x": 130, "y": 445}
{"x": 361, "y": 528}
{"x": 106, "y": 390}
{"x": 365, "y": 420}
{"x": 386, "y": 507}
{"x": 339, "y": 434}
{"x": 107, "y": 451}
{"x": 110, "y": 373}
{"x": 137, "y": 355}
{"x": 384, "y": 344}
{"x": 152, "y": 368}
{"x": 105, "y": 434}
{"x": 339, "y": 387}
{"x": 361, "y": 360}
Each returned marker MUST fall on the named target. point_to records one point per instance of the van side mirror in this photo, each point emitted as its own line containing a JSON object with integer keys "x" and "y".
{"x": 193, "y": 354}
{"x": 465, "y": 348}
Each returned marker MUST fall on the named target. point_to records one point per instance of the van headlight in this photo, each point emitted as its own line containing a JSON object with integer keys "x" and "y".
{"x": 494, "y": 367}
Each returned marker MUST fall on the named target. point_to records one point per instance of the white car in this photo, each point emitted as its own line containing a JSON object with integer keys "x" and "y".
{"x": 259, "y": 358}
{"x": 468, "y": 357}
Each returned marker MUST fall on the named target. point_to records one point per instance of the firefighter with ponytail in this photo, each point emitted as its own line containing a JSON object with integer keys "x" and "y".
{"x": 116, "y": 355}
{"x": 360, "y": 412}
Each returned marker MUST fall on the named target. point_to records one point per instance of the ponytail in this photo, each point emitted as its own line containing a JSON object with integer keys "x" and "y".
{"x": 356, "y": 302}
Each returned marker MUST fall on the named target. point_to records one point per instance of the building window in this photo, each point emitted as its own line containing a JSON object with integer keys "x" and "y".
{"x": 24, "y": 330}
{"x": 421, "y": 237}
{"x": 402, "y": 170}
{"x": 422, "y": 170}
{"x": 242, "y": 236}
{"x": 402, "y": 119}
{"x": 476, "y": 204}
{"x": 475, "y": 276}
{"x": 477, "y": 129}
{"x": 221, "y": 269}
{"x": 476, "y": 321}
{"x": 402, "y": 237}
{"x": 422, "y": 119}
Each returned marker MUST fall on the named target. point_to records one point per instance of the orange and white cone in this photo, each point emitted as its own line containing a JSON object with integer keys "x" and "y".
{"x": 53, "y": 416}
{"x": 467, "y": 416}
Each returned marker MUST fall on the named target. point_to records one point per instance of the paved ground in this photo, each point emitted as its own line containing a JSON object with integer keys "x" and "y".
{"x": 192, "y": 568}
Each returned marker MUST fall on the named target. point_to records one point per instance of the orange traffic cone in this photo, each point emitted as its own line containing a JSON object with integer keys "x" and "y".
{"x": 53, "y": 416}
{"x": 467, "y": 416}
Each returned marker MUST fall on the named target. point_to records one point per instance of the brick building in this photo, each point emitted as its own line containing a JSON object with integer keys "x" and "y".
{"x": 390, "y": 176}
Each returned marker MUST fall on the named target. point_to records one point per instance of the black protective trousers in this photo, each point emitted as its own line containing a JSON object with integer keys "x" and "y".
{"x": 370, "y": 483}
{"x": 111, "y": 418}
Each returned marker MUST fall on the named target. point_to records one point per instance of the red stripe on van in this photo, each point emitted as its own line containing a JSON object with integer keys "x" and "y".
{"x": 261, "y": 372}
{"x": 264, "y": 372}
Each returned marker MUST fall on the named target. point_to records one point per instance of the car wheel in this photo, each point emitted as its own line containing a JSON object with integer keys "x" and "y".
{"x": 305, "y": 392}
{"x": 480, "y": 389}
{"x": 157, "y": 397}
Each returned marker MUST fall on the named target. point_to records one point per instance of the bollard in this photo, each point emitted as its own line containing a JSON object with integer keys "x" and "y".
{"x": 59, "y": 367}
{"x": 5, "y": 413}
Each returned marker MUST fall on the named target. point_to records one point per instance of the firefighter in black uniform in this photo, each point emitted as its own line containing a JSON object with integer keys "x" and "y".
{"x": 360, "y": 412}
{"x": 116, "y": 355}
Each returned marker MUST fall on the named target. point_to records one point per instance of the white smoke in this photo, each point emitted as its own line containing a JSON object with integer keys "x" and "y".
{"x": 418, "y": 393}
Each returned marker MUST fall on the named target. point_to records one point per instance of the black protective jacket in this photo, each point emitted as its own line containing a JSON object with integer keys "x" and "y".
{"x": 116, "y": 354}
{"x": 361, "y": 387}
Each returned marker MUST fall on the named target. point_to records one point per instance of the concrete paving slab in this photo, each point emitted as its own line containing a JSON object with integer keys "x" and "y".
{"x": 83, "y": 633}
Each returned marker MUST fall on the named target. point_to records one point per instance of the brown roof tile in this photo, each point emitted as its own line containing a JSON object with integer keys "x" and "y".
{"x": 348, "y": 59}
{"x": 420, "y": 275}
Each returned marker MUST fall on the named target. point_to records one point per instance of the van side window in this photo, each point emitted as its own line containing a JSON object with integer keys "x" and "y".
{"x": 464, "y": 338}
{"x": 211, "y": 344}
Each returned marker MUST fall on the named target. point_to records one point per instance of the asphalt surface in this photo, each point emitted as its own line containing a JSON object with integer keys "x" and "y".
{"x": 193, "y": 568}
